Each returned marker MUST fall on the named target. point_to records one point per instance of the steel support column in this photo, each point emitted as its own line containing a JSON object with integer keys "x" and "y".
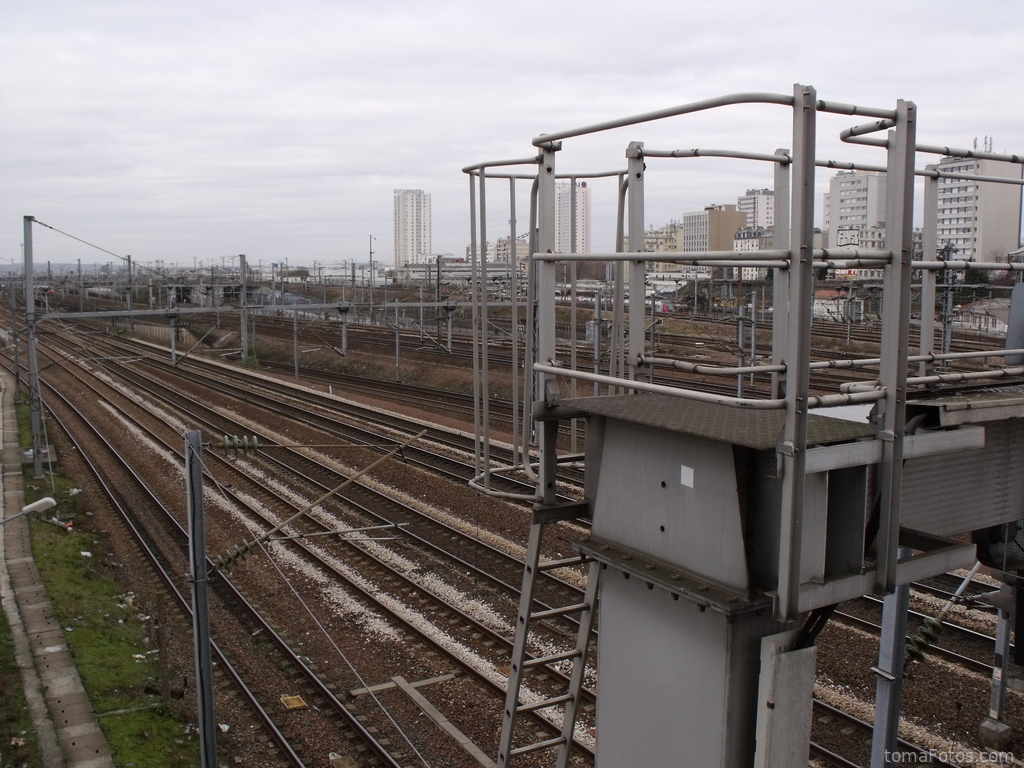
{"x": 474, "y": 213}
{"x": 780, "y": 277}
{"x": 994, "y": 733}
{"x": 546, "y": 275}
{"x": 637, "y": 269}
{"x": 514, "y": 296}
{"x": 801, "y": 283}
{"x": 929, "y": 252}
{"x": 895, "y": 336}
{"x": 481, "y": 318}
{"x": 889, "y": 685}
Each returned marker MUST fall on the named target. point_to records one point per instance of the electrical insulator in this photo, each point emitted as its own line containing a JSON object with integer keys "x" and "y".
{"x": 242, "y": 444}
{"x": 238, "y": 552}
{"x": 922, "y": 640}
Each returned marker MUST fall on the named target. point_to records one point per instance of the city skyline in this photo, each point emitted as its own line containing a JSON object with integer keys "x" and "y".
{"x": 282, "y": 134}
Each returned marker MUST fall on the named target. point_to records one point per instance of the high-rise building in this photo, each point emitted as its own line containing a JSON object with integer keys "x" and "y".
{"x": 564, "y": 217}
{"x": 855, "y": 201}
{"x": 712, "y": 229}
{"x": 980, "y": 219}
{"x": 759, "y": 205}
{"x": 412, "y": 226}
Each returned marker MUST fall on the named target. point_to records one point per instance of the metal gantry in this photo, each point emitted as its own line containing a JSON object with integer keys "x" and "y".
{"x": 725, "y": 529}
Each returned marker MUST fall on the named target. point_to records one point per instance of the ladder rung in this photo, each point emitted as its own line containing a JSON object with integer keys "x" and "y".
{"x": 560, "y": 611}
{"x": 557, "y": 742}
{"x": 574, "y": 654}
{"x": 545, "y": 704}
{"x": 566, "y": 563}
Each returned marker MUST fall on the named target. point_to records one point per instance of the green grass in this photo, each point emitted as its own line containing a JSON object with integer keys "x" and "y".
{"x": 15, "y": 722}
{"x": 105, "y": 637}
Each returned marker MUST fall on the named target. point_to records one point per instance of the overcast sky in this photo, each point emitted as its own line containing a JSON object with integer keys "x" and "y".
{"x": 192, "y": 131}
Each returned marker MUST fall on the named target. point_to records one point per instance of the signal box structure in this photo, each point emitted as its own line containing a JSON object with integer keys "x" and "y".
{"x": 725, "y": 529}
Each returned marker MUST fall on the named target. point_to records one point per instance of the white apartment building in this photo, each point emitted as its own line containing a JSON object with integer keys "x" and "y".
{"x": 501, "y": 251}
{"x": 981, "y": 220}
{"x": 564, "y": 217}
{"x": 759, "y": 205}
{"x": 664, "y": 239}
{"x": 412, "y": 227}
{"x": 855, "y": 200}
{"x": 753, "y": 239}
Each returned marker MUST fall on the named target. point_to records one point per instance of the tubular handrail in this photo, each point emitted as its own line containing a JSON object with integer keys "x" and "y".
{"x": 477, "y": 167}
{"x": 479, "y": 483}
{"x": 668, "y": 256}
{"x": 939, "y": 264}
{"x": 547, "y": 139}
{"x": 984, "y": 354}
{"x": 855, "y": 136}
{"x": 775, "y": 255}
{"x": 846, "y": 398}
{"x": 486, "y": 167}
{"x": 930, "y": 173}
{"x": 952, "y": 378}
{"x": 864, "y": 128}
{"x": 716, "y": 370}
{"x": 839, "y": 108}
{"x": 732, "y": 153}
{"x": 956, "y": 152}
{"x": 661, "y": 389}
{"x": 703, "y": 368}
{"x": 936, "y": 174}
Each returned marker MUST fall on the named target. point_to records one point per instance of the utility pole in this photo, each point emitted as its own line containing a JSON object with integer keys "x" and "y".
{"x": 14, "y": 341}
{"x": 244, "y": 325}
{"x": 371, "y": 279}
{"x": 295, "y": 341}
{"x": 947, "y": 303}
{"x": 131, "y": 322}
{"x": 200, "y": 600}
{"x": 33, "y": 362}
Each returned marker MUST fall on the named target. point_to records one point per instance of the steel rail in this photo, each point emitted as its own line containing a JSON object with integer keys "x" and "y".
{"x": 265, "y": 627}
{"x": 856, "y": 722}
{"x": 161, "y": 572}
{"x": 370, "y": 595}
{"x": 191, "y": 409}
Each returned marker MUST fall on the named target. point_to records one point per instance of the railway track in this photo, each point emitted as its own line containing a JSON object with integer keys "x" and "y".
{"x": 498, "y": 646}
{"x": 186, "y": 407}
{"x": 160, "y": 540}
